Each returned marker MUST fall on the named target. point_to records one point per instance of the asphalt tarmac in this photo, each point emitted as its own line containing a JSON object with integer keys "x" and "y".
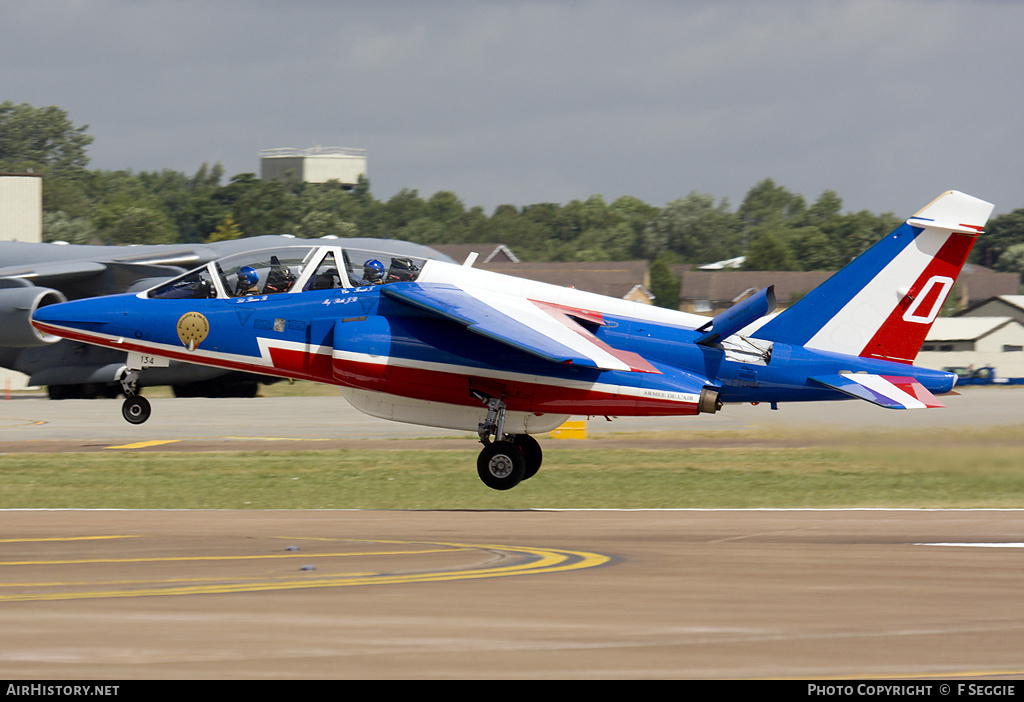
{"x": 807, "y": 594}
{"x": 33, "y": 423}
{"x": 555, "y": 595}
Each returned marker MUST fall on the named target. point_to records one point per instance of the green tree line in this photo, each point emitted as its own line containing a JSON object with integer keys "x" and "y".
{"x": 775, "y": 229}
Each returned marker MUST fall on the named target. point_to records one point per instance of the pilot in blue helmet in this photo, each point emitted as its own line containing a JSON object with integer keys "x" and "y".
{"x": 373, "y": 272}
{"x": 248, "y": 282}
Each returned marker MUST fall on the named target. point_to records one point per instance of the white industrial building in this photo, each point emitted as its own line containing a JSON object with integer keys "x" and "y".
{"x": 989, "y": 333}
{"x": 21, "y": 219}
{"x": 21, "y": 207}
{"x": 317, "y": 165}
{"x": 975, "y": 342}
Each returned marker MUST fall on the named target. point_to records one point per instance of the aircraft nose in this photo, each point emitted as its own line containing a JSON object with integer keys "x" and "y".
{"x": 79, "y": 314}
{"x": 49, "y": 314}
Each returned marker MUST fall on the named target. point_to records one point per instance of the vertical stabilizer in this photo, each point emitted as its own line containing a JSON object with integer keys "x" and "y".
{"x": 884, "y": 302}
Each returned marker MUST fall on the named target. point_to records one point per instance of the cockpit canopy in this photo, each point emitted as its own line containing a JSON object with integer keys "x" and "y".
{"x": 287, "y": 269}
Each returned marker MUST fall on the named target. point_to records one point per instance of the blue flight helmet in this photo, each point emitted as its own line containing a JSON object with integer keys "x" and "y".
{"x": 247, "y": 278}
{"x": 373, "y": 271}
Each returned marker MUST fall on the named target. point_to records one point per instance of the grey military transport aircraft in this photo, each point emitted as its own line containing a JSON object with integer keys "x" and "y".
{"x": 37, "y": 275}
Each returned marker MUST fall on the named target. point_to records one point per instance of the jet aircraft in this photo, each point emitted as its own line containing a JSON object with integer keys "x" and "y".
{"x": 35, "y": 275}
{"x": 452, "y": 346}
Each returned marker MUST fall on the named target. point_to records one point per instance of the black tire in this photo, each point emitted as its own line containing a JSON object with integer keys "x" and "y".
{"x": 136, "y": 409}
{"x": 501, "y": 465}
{"x": 532, "y": 454}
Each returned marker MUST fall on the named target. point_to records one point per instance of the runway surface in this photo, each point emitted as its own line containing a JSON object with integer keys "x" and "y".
{"x": 35, "y": 424}
{"x": 585, "y": 595}
{"x": 496, "y": 594}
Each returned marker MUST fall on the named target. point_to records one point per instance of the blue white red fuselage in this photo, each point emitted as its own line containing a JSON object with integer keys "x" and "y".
{"x": 452, "y": 346}
{"x": 360, "y": 339}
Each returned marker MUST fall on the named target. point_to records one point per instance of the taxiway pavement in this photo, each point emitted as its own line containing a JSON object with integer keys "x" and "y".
{"x": 196, "y": 424}
{"x": 457, "y": 595}
{"x": 498, "y": 594}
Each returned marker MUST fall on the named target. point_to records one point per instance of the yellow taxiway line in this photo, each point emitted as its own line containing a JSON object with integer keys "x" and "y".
{"x": 537, "y": 561}
{"x": 145, "y": 444}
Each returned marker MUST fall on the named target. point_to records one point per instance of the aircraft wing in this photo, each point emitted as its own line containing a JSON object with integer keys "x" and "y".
{"x": 547, "y": 331}
{"x": 58, "y": 273}
{"x": 48, "y": 273}
{"x": 892, "y": 392}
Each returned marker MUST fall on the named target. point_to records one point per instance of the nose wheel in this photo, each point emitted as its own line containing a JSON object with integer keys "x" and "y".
{"x": 135, "y": 409}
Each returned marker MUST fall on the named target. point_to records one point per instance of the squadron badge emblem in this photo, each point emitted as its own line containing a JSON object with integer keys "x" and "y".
{"x": 192, "y": 329}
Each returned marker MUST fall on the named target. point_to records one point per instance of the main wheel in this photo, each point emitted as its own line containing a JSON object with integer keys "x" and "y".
{"x": 532, "y": 454}
{"x": 501, "y": 465}
{"x": 136, "y": 409}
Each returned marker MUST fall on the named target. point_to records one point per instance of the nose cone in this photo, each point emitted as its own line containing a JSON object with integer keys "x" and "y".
{"x": 89, "y": 315}
{"x": 68, "y": 315}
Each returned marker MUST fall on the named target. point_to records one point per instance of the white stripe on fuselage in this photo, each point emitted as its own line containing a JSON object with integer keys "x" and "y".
{"x": 511, "y": 377}
{"x": 265, "y": 361}
{"x": 162, "y": 350}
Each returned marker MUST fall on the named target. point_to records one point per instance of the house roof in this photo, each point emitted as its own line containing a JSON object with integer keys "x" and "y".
{"x": 611, "y": 278}
{"x": 726, "y": 286}
{"x": 1015, "y": 301}
{"x": 488, "y": 253}
{"x": 966, "y": 328}
{"x": 981, "y": 284}
{"x": 729, "y": 263}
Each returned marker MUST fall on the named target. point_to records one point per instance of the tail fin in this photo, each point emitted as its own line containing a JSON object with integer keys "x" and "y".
{"x": 883, "y": 303}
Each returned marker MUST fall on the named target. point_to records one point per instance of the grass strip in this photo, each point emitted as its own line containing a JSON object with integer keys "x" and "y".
{"x": 919, "y": 476}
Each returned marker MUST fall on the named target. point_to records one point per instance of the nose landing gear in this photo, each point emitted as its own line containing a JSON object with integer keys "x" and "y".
{"x": 136, "y": 408}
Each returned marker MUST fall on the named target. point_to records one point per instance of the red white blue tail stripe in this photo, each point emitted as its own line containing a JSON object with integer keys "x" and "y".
{"x": 883, "y": 304}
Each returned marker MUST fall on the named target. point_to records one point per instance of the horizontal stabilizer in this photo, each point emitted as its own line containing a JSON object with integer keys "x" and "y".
{"x": 890, "y": 391}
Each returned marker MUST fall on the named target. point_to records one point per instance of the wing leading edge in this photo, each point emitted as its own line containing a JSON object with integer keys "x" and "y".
{"x": 547, "y": 331}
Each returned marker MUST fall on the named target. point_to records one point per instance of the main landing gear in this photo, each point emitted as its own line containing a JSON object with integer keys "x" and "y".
{"x": 509, "y": 458}
{"x": 136, "y": 408}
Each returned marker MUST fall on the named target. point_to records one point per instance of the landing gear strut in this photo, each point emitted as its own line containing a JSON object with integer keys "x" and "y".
{"x": 135, "y": 409}
{"x": 509, "y": 458}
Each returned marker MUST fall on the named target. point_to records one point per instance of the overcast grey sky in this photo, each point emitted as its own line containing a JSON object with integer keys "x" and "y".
{"x": 887, "y": 102}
